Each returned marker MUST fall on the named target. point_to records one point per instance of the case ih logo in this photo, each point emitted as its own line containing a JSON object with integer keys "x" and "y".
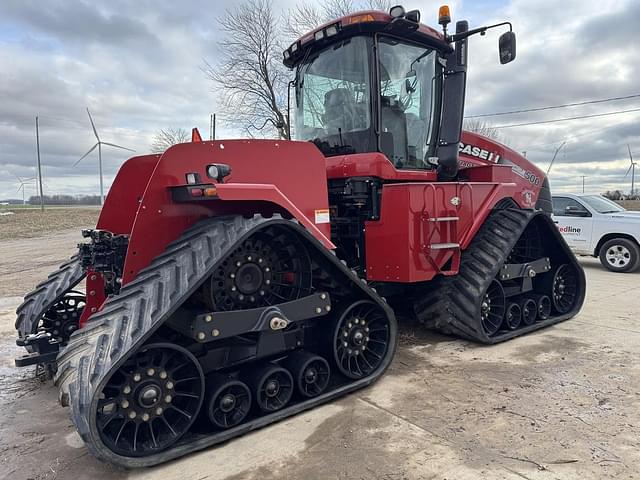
{"x": 478, "y": 152}
{"x": 570, "y": 230}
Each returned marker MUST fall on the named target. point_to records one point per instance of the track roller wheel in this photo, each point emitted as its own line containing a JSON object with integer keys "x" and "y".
{"x": 361, "y": 339}
{"x": 529, "y": 309}
{"x": 63, "y": 317}
{"x": 151, "y": 400}
{"x": 543, "y": 303}
{"x": 272, "y": 387}
{"x": 310, "y": 372}
{"x": 492, "y": 308}
{"x": 513, "y": 316}
{"x": 228, "y": 401}
{"x": 563, "y": 288}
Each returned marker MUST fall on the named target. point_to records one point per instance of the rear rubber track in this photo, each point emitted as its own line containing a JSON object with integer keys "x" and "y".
{"x": 452, "y": 304}
{"x": 128, "y": 319}
{"x": 46, "y": 294}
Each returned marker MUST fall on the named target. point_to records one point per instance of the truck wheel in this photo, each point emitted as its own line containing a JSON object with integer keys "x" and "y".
{"x": 620, "y": 255}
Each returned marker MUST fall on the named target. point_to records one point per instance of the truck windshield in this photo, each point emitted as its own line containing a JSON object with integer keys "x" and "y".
{"x": 602, "y": 204}
{"x": 333, "y": 99}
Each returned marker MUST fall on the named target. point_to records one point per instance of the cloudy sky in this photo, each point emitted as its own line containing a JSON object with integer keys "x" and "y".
{"x": 138, "y": 67}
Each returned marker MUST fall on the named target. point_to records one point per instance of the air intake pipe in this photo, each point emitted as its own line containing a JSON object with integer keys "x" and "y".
{"x": 455, "y": 80}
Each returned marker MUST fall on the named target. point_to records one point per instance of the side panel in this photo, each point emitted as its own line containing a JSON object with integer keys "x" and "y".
{"x": 297, "y": 169}
{"x": 423, "y": 227}
{"x": 477, "y": 151}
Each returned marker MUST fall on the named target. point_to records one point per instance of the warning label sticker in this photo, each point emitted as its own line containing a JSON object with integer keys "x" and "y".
{"x": 322, "y": 216}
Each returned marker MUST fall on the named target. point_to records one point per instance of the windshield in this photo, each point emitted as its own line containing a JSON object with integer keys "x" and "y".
{"x": 407, "y": 80}
{"x": 333, "y": 98}
{"x": 602, "y": 205}
{"x": 337, "y": 100}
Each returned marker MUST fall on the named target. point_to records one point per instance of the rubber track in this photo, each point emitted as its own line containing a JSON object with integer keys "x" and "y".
{"x": 452, "y": 304}
{"x": 47, "y": 293}
{"x": 128, "y": 319}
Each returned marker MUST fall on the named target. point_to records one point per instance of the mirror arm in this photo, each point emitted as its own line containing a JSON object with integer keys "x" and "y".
{"x": 480, "y": 30}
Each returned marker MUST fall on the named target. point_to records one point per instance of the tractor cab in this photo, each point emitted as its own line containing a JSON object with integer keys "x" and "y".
{"x": 377, "y": 82}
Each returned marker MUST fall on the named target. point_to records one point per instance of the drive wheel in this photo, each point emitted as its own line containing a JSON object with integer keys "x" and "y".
{"x": 151, "y": 400}
{"x": 620, "y": 255}
{"x": 492, "y": 308}
{"x": 270, "y": 267}
{"x": 361, "y": 339}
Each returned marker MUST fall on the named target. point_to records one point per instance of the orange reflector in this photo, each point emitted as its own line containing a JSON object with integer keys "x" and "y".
{"x": 366, "y": 17}
{"x": 444, "y": 15}
{"x": 210, "y": 192}
{"x": 195, "y": 135}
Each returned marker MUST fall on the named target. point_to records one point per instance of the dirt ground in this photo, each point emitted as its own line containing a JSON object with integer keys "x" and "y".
{"x": 562, "y": 403}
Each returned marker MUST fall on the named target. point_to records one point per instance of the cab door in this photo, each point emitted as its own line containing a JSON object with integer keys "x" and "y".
{"x": 575, "y": 223}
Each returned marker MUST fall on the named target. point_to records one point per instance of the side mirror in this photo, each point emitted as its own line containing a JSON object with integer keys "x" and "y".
{"x": 410, "y": 82}
{"x": 575, "y": 211}
{"x": 507, "y": 47}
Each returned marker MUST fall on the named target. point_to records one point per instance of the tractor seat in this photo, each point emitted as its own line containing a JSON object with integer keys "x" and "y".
{"x": 340, "y": 111}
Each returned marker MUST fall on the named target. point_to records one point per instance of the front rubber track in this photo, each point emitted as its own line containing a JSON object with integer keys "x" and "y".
{"x": 46, "y": 294}
{"x": 95, "y": 352}
{"x": 451, "y": 305}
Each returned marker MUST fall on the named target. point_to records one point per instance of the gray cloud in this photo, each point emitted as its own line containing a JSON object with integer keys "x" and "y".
{"x": 137, "y": 65}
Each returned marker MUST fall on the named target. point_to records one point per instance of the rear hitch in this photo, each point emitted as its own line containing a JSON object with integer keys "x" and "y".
{"x": 105, "y": 254}
{"x": 44, "y": 349}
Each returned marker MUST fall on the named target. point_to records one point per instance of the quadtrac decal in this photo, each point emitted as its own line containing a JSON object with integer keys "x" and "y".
{"x": 478, "y": 152}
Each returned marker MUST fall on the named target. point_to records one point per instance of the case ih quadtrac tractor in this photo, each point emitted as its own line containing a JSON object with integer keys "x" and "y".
{"x": 230, "y": 284}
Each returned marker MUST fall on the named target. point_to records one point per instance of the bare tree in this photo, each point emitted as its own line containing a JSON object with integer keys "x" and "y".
{"x": 481, "y": 127}
{"x": 166, "y": 138}
{"x": 250, "y": 77}
{"x": 305, "y": 17}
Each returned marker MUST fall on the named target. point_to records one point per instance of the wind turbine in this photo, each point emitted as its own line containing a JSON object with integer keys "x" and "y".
{"x": 99, "y": 144}
{"x": 632, "y": 169}
{"x": 24, "y": 182}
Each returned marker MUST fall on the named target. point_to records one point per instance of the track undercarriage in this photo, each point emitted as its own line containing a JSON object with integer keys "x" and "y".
{"x": 518, "y": 275}
{"x": 239, "y": 323}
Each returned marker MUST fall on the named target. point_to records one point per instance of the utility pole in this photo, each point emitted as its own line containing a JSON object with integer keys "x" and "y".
{"x": 213, "y": 126}
{"x": 583, "y": 177}
{"x": 39, "y": 166}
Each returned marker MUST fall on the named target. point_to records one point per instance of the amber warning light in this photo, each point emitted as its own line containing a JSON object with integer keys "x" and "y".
{"x": 444, "y": 15}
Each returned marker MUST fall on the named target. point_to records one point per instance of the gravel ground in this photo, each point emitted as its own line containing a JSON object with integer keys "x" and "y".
{"x": 562, "y": 403}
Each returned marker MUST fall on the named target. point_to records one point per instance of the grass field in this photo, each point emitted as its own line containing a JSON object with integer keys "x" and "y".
{"x": 31, "y": 222}
{"x": 630, "y": 204}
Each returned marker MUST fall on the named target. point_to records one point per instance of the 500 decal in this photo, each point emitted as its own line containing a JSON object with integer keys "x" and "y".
{"x": 526, "y": 174}
{"x": 478, "y": 152}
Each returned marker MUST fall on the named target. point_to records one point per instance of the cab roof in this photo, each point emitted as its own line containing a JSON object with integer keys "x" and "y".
{"x": 368, "y": 21}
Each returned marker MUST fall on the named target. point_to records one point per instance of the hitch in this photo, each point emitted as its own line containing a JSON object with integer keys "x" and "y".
{"x": 45, "y": 350}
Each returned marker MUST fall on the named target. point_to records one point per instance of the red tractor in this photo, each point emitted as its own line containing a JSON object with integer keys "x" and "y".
{"x": 231, "y": 284}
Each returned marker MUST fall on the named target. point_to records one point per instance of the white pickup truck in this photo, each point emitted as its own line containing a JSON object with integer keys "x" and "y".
{"x": 596, "y": 226}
